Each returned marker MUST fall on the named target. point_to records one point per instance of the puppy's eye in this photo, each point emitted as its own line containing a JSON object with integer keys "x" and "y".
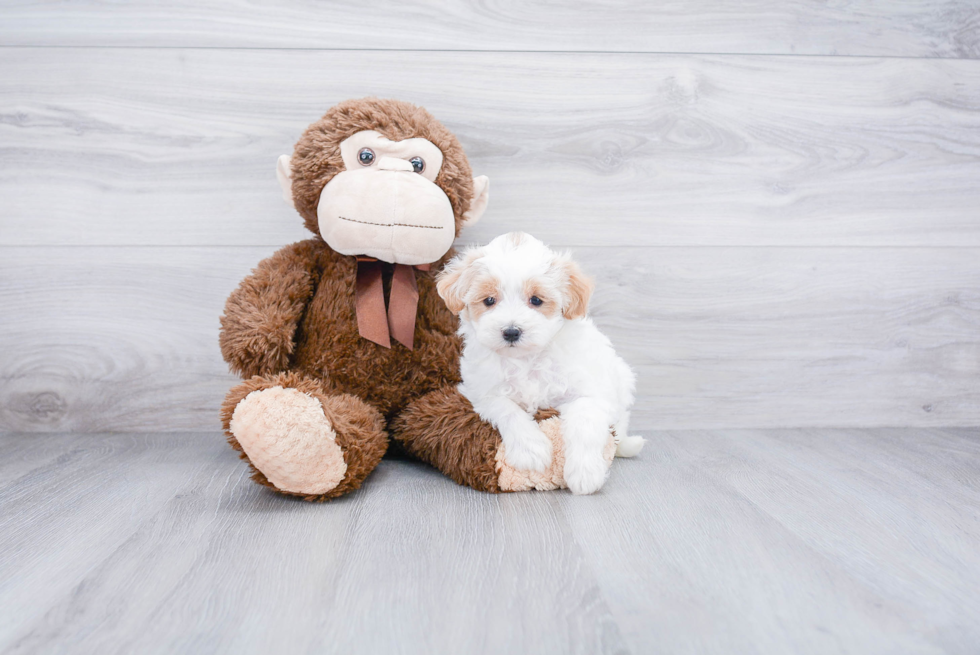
{"x": 537, "y": 302}
{"x": 417, "y": 163}
{"x": 365, "y": 156}
{"x": 488, "y": 301}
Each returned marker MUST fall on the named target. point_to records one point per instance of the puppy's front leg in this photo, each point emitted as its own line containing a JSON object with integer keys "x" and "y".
{"x": 585, "y": 424}
{"x": 525, "y": 446}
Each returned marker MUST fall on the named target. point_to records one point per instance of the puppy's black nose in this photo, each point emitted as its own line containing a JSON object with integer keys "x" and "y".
{"x": 511, "y": 334}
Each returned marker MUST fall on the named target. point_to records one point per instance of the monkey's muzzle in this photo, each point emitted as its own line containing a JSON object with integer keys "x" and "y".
{"x": 396, "y": 216}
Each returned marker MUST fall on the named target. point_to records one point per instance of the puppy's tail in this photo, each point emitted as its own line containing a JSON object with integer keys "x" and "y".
{"x": 629, "y": 446}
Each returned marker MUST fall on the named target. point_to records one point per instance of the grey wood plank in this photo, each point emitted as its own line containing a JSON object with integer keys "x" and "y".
{"x": 788, "y": 541}
{"x": 775, "y": 337}
{"x": 877, "y": 514}
{"x": 411, "y": 563}
{"x": 25, "y": 455}
{"x": 111, "y": 146}
{"x": 123, "y": 336}
{"x": 116, "y": 339}
{"x": 804, "y": 541}
{"x": 918, "y": 28}
{"x": 898, "y": 487}
{"x": 64, "y": 518}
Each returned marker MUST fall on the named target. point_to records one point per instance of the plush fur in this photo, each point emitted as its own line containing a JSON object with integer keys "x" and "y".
{"x": 442, "y": 429}
{"x": 313, "y": 330}
{"x": 291, "y": 325}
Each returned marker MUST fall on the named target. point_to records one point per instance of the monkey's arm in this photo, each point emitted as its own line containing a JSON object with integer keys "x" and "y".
{"x": 261, "y": 315}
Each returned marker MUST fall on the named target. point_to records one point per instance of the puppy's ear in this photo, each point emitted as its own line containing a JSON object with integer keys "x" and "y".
{"x": 453, "y": 281}
{"x": 578, "y": 290}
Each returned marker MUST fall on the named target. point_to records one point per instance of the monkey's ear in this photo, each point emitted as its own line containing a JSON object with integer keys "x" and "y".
{"x": 284, "y": 173}
{"x": 481, "y": 195}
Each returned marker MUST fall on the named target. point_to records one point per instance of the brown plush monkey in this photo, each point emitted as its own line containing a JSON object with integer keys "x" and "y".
{"x": 331, "y": 368}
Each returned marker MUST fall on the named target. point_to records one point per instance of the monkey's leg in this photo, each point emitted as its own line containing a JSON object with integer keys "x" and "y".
{"x": 301, "y": 440}
{"x": 442, "y": 429}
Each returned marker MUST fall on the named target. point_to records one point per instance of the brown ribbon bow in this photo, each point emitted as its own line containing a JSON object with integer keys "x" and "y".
{"x": 403, "y": 303}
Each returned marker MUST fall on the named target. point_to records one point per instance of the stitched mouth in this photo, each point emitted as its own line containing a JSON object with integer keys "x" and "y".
{"x": 426, "y": 227}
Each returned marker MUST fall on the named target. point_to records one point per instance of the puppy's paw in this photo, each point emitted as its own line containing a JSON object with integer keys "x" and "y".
{"x": 527, "y": 449}
{"x": 585, "y": 473}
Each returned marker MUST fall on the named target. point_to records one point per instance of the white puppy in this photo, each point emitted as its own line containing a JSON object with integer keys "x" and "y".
{"x": 529, "y": 345}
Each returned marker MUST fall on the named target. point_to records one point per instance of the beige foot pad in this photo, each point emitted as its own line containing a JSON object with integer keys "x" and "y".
{"x": 287, "y": 437}
{"x": 511, "y": 479}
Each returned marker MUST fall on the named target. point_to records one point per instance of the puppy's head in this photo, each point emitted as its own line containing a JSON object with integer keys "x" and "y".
{"x": 514, "y": 294}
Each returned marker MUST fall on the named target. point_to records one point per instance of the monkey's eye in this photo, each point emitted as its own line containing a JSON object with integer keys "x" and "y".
{"x": 365, "y": 156}
{"x": 488, "y": 301}
{"x": 537, "y": 302}
{"x": 417, "y": 163}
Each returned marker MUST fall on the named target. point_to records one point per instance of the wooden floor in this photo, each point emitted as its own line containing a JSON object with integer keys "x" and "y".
{"x": 748, "y": 541}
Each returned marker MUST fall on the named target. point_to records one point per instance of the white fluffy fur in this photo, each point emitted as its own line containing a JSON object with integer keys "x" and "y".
{"x": 558, "y": 362}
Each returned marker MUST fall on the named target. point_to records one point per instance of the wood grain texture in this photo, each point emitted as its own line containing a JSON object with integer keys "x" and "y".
{"x": 177, "y": 146}
{"x": 866, "y": 27}
{"x": 117, "y": 339}
{"x": 816, "y": 541}
{"x": 802, "y": 541}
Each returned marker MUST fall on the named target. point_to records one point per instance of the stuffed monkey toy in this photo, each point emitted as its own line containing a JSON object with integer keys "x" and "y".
{"x": 342, "y": 339}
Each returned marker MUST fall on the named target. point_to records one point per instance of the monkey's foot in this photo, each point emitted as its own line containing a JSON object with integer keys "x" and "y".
{"x": 287, "y": 437}
{"x": 301, "y": 440}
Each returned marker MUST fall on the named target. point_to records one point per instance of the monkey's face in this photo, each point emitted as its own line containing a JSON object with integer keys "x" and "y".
{"x": 385, "y": 203}
{"x": 383, "y": 178}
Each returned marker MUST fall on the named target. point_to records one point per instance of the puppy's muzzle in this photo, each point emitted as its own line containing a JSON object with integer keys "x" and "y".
{"x": 511, "y": 334}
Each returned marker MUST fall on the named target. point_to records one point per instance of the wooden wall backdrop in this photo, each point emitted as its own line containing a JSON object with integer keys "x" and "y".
{"x": 780, "y": 199}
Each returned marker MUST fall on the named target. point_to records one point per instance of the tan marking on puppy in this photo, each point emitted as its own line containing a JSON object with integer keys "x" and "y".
{"x": 550, "y": 305}
{"x": 578, "y": 290}
{"x": 453, "y": 281}
{"x": 483, "y": 286}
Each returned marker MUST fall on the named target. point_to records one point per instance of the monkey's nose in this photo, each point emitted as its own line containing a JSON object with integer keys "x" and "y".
{"x": 395, "y": 164}
{"x": 511, "y": 334}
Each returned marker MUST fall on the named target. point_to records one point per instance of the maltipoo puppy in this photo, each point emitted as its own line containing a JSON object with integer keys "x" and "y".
{"x": 529, "y": 345}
